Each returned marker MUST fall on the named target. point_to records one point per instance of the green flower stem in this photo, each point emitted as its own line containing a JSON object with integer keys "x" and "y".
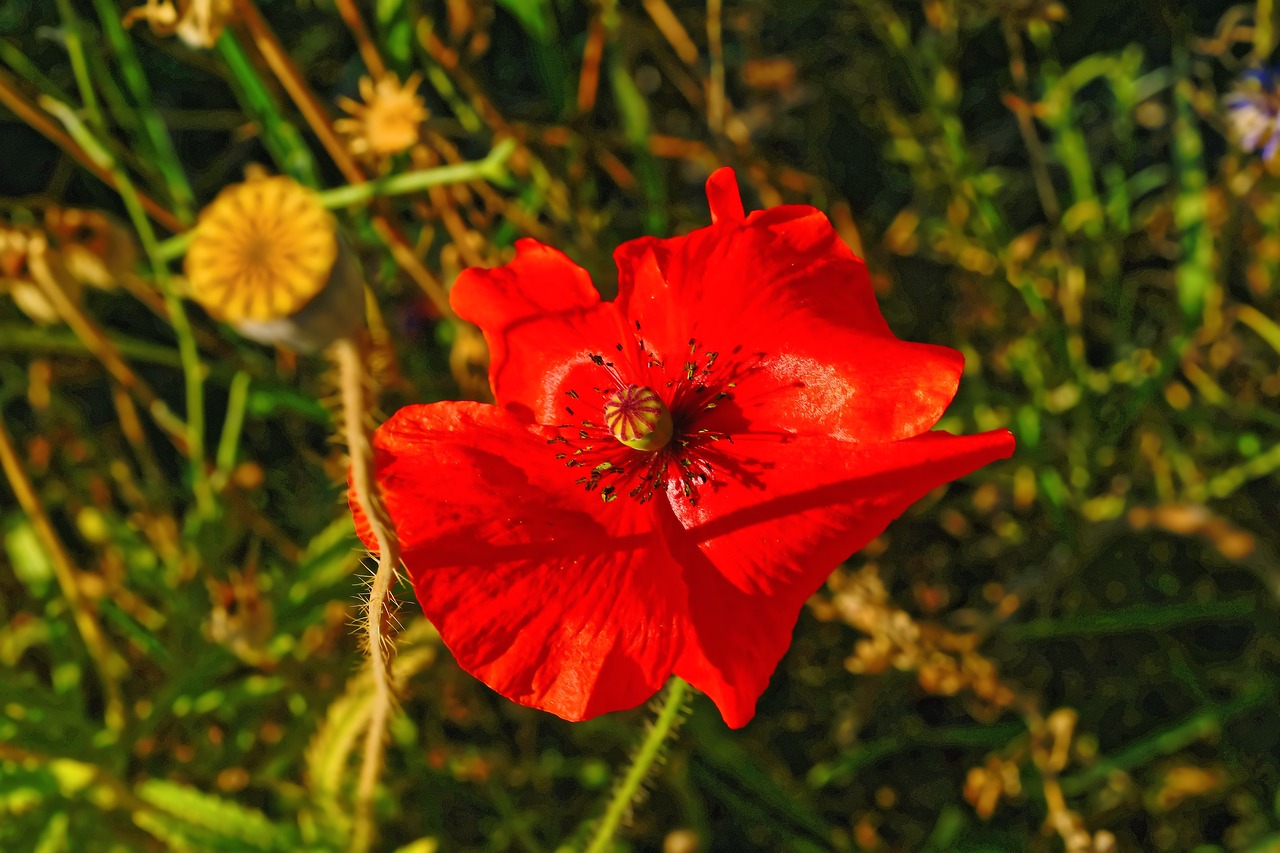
{"x": 1204, "y": 724}
{"x": 192, "y": 370}
{"x": 74, "y": 42}
{"x": 491, "y": 168}
{"x": 1262, "y": 30}
{"x": 625, "y": 794}
{"x": 229, "y": 440}
{"x": 153, "y": 125}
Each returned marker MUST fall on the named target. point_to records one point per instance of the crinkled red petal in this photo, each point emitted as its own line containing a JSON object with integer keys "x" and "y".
{"x": 543, "y": 320}
{"x": 548, "y": 596}
{"x": 779, "y": 516}
{"x": 790, "y": 311}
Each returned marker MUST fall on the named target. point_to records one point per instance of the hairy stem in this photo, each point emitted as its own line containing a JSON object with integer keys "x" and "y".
{"x": 378, "y": 609}
{"x": 663, "y": 727}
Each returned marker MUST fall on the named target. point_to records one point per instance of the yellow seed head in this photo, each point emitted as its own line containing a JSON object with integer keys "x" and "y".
{"x": 262, "y": 250}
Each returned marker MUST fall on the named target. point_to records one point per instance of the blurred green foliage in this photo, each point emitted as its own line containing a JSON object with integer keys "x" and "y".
{"x": 1071, "y": 650}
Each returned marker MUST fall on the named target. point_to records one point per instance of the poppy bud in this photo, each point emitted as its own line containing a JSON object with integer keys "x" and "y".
{"x": 638, "y": 418}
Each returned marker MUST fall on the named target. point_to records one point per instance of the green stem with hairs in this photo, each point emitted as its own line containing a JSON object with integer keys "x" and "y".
{"x": 663, "y": 727}
{"x": 379, "y": 617}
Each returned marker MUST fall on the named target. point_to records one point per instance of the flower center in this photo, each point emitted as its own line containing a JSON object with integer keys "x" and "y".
{"x": 638, "y": 418}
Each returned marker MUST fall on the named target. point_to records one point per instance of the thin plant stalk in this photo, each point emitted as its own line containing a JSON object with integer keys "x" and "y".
{"x": 40, "y": 121}
{"x": 490, "y": 168}
{"x": 74, "y": 41}
{"x": 192, "y": 371}
{"x": 280, "y": 63}
{"x": 379, "y": 607}
{"x": 715, "y": 77}
{"x": 108, "y": 663}
{"x": 663, "y": 728}
{"x": 153, "y": 125}
{"x": 101, "y": 348}
{"x": 1263, "y": 30}
{"x": 364, "y": 43}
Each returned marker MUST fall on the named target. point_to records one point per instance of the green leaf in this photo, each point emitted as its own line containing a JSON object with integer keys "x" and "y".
{"x": 536, "y": 16}
{"x": 30, "y": 563}
{"x": 190, "y": 818}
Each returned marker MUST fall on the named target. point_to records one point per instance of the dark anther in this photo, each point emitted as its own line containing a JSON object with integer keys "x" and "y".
{"x": 571, "y": 393}
{"x": 569, "y": 410}
{"x": 598, "y": 359}
{"x": 619, "y": 346}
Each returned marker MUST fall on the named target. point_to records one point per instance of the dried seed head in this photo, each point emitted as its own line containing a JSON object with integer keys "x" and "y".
{"x": 267, "y": 258}
{"x": 388, "y": 118}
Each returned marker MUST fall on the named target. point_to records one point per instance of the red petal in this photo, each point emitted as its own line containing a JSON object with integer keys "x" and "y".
{"x": 542, "y": 591}
{"x": 723, "y": 196}
{"x": 765, "y": 535}
{"x": 790, "y": 310}
{"x": 542, "y": 320}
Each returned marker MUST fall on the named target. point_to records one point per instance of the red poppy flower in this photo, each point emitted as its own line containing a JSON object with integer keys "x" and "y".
{"x": 666, "y": 477}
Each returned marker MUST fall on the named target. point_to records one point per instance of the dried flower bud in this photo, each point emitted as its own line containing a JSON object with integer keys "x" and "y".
{"x": 199, "y": 23}
{"x": 28, "y": 267}
{"x": 386, "y": 120}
